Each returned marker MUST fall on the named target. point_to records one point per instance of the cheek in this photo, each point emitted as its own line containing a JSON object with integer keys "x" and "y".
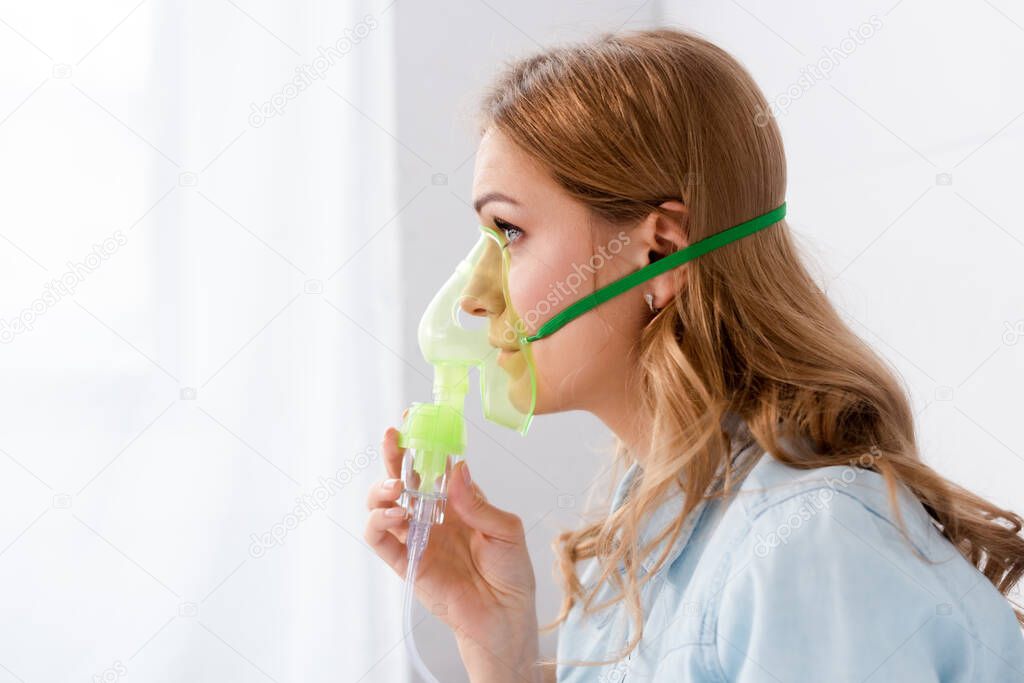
{"x": 585, "y": 360}
{"x": 565, "y": 360}
{"x": 591, "y": 350}
{"x": 539, "y": 290}
{"x": 528, "y": 288}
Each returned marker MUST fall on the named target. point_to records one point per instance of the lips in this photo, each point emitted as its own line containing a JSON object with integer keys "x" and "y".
{"x": 502, "y": 347}
{"x": 504, "y": 355}
{"x": 497, "y": 343}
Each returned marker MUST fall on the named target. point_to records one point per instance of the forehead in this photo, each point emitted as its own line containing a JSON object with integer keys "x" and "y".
{"x": 501, "y": 166}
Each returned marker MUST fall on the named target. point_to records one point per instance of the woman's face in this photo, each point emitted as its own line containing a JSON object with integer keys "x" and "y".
{"x": 558, "y": 254}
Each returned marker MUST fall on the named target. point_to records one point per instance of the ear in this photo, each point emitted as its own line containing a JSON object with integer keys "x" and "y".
{"x": 659, "y": 235}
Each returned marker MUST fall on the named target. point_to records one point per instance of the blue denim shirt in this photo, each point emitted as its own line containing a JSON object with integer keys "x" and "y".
{"x": 801, "y": 576}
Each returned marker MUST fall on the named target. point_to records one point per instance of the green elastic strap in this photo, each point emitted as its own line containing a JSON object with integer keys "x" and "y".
{"x": 673, "y": 260}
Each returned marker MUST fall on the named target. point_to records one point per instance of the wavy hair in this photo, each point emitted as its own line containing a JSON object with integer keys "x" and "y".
{"x": 623, "y": 121}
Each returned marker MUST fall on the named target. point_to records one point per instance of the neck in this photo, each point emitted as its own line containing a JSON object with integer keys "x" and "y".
{"x": 622, "y": 413}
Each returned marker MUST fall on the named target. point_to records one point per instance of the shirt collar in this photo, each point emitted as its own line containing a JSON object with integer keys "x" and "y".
{"x": 665, "y": 514}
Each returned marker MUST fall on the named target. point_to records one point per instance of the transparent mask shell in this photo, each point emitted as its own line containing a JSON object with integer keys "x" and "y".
{"x": 508, "y": 380}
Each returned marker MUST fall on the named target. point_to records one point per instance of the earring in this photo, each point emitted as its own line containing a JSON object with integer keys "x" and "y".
{"x": 649, "y": 298}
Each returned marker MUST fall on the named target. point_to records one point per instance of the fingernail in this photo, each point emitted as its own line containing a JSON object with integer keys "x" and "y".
{"x": 389, "y": 484}
{"x": 395, "y": 512}
{"x": 465, "y": 474}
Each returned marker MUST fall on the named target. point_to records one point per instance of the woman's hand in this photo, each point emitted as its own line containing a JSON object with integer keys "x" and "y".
{"x": 475, "y": 574}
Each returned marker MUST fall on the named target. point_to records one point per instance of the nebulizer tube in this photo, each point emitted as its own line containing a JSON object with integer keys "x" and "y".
{"x": 419, "y": 533}
{"x": 434, "y": 437}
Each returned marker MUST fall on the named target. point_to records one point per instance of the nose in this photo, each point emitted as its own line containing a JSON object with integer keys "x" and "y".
{"x": 473, "y": 306}
{"x": 483, "y": 295}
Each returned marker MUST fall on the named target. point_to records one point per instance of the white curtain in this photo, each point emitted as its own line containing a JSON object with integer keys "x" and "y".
{"x": 196, "y": 224}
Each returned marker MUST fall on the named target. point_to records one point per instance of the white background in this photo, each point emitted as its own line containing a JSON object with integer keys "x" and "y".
{"x": 254, "y": 334}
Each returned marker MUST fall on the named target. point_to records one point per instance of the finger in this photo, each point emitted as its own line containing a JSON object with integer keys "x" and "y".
{"x": 393, "y": 453}
{"x": 383, "y": 494}
{"x": 380, "y": 535}
{"x": 474, "y": 510}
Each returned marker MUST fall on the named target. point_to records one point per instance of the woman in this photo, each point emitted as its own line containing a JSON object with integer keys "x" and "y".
{"x": 775, "y": 522}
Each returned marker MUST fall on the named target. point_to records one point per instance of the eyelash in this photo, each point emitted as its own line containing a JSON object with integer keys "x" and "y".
{"x": 505, "y": 227}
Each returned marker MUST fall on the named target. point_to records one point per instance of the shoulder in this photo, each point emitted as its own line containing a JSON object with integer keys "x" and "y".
{"x": 816, "y": 576}
{"x": 773, "y": 486}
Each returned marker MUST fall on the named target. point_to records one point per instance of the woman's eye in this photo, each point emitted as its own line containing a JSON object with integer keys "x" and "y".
{"x": 512, "y": 233}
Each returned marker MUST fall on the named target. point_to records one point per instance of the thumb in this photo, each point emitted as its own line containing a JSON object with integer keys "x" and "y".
{"x": 474, "y": 510}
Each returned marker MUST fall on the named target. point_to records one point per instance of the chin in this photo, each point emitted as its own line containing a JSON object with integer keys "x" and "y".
{"x": 519, "y": 389}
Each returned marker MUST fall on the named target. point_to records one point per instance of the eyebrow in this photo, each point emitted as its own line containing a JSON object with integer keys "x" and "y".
{"x": 492, "y": 196}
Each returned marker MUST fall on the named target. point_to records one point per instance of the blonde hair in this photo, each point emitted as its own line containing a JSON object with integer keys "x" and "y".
{"x": 626, "y": 120}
